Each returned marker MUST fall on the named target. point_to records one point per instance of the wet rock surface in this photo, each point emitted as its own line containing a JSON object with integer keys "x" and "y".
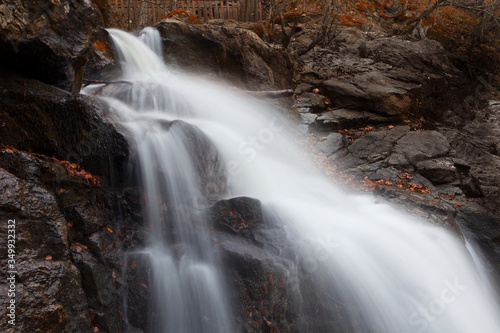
{"x": 43, "y": 119}
{"x": 48, "y": 40}
{"x": 66, "y": 248}
{"x": 272, "y": 283}
{"x": 391, "y": 77}
{"x": 227, "y": 52}
{"x": 441, "y": 162}
{"x": 447, "y": 176}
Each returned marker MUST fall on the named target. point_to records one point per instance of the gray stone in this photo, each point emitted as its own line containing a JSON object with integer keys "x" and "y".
{"x": 438, "y": 170}
{"x": 333, "y": 143}
{"x": 315, "y": 102}
{"x": 418, "y": 146}
{"x": 48, "y": 40}
{"x": 344, "y": 118}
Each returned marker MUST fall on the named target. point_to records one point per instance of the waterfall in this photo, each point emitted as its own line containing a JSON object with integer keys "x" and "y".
{"x": 402, "y": 274}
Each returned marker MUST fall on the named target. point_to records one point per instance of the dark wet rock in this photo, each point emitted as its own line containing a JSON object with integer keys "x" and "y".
{"x": 476, "y": 143}
{"x": 76, "y": 224}
{"x": 417, "y": 146}
{"x": 272, "y": 283}
{"x": 228, "y": 52}
{"x": 239, "y": 216}
{"x": 137, "y": 288}
{"x": 376, "y": 146}
{"x": 332, "y": 144}
{"x": 205, "y": 157}
{"x": 106, "y": 12}
{"x": 442, "y": 170}
{"x": 344, "y": 118}
{"x": 102, "y": 63}
{"x": 49, "y": 292}
{"x": 100, "y": 288}
{"x": 315, "y": 102}
{"x": 40, "y": 118}
{"x": 302, "y": 88}
{"x": 425, "y": 206}
{"x": 48, "y": 40}
{"x": 388, "y": 76}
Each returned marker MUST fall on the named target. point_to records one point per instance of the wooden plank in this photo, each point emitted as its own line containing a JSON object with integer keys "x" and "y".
{"x": 261, "y": 19}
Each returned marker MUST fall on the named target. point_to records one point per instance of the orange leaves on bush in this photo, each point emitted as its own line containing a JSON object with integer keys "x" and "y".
{"x": 183, "y": 15}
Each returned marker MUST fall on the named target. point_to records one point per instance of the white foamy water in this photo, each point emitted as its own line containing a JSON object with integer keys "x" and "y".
{"x": 402, "y": 274}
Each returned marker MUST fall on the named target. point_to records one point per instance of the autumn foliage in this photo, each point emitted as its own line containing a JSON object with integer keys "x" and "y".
{"x": 73, "y": 170}
{"x": 469, "y": 29}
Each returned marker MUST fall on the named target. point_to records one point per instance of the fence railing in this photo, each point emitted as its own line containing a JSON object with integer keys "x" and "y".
{"x": 133, "y": 14}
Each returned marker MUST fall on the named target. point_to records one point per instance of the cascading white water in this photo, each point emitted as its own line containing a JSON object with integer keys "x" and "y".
{"x": 403, "y": 274}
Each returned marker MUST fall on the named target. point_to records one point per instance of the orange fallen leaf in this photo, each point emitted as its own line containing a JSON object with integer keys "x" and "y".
{"x": 109, "y": 229}
{"x": 62, "y": 190}
{"x": 79, "y": 247}
{"x": 48, "y": 258}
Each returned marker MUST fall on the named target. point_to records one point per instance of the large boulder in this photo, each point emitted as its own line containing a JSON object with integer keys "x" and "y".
{"x": 48, "y": 293}
{"x": 392, "y": 77}
{"x": 48, "y": 40}
{"x": 228, "y": 52}
{"x": 40, "y": 118}
{"x": 274, "y": 287}
{"x": 68, "y": 252}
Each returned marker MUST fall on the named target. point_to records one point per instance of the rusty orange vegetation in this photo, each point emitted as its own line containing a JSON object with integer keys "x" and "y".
{"x": 182, "y": 14}
{"x": 74, "y": 170}
{"x": 401, "y": 184}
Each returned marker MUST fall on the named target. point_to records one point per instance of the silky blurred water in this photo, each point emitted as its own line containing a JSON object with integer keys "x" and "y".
{"x": 404, "y": 275}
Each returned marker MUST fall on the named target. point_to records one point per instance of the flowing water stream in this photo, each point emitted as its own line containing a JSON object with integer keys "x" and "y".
{"x": 404, "y": 275}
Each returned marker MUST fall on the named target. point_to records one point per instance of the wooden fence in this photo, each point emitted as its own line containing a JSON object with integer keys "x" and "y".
{"x": 133, "y": 14}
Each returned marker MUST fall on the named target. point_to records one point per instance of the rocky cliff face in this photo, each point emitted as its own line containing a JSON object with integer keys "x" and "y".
{"x": 393, "y": 113}
{"x": 48, "y": 40}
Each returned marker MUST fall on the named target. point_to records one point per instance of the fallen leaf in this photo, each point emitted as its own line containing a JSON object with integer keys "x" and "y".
{"x": 62, "y": 190}
{"x": 48, "y": 258}
{"x": 315, "y": 90}
{"x": 79, "y": 247}
{"x": 109, "y": 229}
